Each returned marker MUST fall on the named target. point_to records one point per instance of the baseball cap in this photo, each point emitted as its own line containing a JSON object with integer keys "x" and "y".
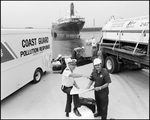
{"x": 71, "y": 61}
{"x": 97, "y": 61}
{"x": 59, "y": 55}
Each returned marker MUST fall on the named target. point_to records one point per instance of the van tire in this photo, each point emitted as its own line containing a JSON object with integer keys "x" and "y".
{"x": 37, "y": 76}
{"x": 111, "y": 64}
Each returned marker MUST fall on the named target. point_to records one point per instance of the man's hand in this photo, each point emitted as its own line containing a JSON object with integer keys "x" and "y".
{"x": 97, "y": 88}
{"x": 86, "y": 76}
{"x": 88, "y": 87}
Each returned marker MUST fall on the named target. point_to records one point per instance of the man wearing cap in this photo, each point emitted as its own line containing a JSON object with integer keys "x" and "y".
{"x": 58, "y": 58}
{"x": 102, "y": 79}
{"x": 94, "y": 52}
{"x": 93, "y": 41}
{"x": 94, "y": 48}
{"x": 67, "y": 84}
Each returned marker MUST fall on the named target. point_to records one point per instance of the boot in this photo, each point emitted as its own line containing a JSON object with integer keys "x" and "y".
{"x": 77, "y": 113}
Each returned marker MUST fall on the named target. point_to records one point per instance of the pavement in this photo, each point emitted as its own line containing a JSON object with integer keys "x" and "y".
{"x": 128, "y": 97}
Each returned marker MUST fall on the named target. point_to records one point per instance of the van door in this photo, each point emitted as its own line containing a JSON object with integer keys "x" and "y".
{"x": 47, "y": 57}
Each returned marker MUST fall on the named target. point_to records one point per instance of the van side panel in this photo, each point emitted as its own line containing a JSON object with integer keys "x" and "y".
{"x": 22, "y": 53}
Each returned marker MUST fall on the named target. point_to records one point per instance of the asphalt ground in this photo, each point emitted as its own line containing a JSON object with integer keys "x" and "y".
{"x": 128, "y": 97}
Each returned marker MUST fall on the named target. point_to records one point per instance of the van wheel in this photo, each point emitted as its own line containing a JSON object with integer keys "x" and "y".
{"x": 111, "y": 64}
{"x": 37, "y": 76}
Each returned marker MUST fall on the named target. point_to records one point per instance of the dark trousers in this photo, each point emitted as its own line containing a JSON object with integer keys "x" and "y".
{"x": 62, "y": 68}
{"x": 102, "y": 103}
{"x": 69, "y": 99}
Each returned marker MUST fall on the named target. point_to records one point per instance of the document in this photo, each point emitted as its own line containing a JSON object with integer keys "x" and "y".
{"x": 74, "y": 90}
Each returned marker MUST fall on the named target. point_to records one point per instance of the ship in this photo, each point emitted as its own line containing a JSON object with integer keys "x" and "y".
{"x": 68, "y": 26}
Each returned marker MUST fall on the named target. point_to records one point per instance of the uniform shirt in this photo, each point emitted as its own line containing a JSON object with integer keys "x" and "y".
{"x": 100, "y": 78}
{"x": 66, "y": 80}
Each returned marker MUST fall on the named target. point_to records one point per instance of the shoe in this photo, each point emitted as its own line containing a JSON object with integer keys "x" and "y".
{"x": 77, "y": 112}
{"x": 67, "y": 114}
{"x": 104, "y": 118}
{"x": 96, "y": 115}
{"x": 112, "y": 118}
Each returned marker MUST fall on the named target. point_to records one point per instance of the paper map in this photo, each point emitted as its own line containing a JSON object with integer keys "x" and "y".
{"x": 74, "y": 90}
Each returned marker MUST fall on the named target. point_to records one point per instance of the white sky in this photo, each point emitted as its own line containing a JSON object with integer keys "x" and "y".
{"x": 41, "y": 14}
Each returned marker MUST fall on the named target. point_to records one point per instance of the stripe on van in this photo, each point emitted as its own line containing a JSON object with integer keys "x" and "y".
{"x": 5, "y": 54}
{"x": 10, "y": 49}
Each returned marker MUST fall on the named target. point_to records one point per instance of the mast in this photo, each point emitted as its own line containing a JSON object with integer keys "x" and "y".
{"x": 94, "y": 26}
{"x": 71, "y": 9}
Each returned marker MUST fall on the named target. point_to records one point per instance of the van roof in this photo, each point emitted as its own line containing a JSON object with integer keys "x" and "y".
{"x": 22, "y": 31}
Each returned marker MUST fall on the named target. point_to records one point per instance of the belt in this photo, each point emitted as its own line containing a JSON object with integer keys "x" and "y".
{"x": 63, "y": 86}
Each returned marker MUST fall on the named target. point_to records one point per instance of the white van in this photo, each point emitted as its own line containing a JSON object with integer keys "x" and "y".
{"x": 25, "y": 55}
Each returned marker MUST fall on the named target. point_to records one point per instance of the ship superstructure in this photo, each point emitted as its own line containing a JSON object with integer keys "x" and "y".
{"x": 68, "y": 26}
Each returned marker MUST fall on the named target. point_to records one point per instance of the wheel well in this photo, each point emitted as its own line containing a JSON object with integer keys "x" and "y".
{"x": 33, "y": 81}
{"x": 107, "y": 54}
{"x": 39, "y": 69}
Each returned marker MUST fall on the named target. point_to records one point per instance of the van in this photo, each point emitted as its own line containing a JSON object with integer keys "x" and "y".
{"x": 25, "y": 55}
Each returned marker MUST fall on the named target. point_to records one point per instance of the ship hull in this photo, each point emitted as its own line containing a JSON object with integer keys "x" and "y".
{"x": 67, "y": 30}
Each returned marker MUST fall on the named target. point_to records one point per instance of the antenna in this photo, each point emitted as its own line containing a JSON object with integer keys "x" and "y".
{"x": 94, "y": 26}
{"x": 71, "y": 9}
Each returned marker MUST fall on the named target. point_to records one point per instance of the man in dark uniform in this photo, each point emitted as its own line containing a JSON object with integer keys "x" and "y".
{"x": 102, "y": 79}
{"x": 61, "y": 59}
{"x": 67, "y": 84}
{"x": 94, "y": 52}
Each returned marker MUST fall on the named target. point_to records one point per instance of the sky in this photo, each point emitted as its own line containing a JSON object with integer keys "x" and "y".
{"x": 41, "y": 14}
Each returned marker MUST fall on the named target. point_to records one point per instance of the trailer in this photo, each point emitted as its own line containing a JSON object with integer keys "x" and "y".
{"x": 125, "y": 43}
{"x": 26, "y": 55}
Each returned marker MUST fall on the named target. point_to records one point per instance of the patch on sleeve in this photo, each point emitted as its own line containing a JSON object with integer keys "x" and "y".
{"x": 101, "y": 76}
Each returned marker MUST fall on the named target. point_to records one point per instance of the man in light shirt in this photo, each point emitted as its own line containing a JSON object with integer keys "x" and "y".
{"x": 93, "y": 41}
{"x": 67, "y": 84}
